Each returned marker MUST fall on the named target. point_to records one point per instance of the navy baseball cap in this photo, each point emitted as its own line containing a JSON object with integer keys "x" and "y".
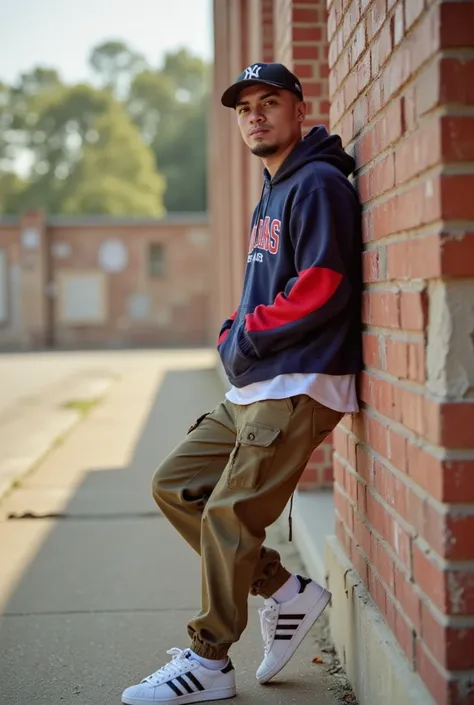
{"x": 275, "y": 75}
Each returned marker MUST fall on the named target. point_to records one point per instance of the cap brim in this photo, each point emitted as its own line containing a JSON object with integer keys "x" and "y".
{"x": 230, "y": 96}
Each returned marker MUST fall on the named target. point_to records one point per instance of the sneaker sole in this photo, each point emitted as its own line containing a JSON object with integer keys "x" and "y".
{"x": 203, "y": 696}
{"x": 312, "y": 616}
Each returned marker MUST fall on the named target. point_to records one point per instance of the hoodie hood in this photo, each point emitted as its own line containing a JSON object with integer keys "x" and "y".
{"x": 317, "y": 145}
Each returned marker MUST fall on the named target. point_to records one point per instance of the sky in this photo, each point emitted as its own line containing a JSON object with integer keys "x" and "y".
{"x": 61, "y": 33}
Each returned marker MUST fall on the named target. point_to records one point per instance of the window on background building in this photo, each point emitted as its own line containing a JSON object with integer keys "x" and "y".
{"x": 156, "y": 260}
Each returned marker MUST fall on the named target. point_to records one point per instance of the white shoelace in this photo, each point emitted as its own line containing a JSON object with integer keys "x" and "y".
{"x": 174, "y": 668}
{"x": 268, "y": 621}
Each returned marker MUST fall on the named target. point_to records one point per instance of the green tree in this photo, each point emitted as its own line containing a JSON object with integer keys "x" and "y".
{"x": 116, "y": 64}
{"x": 117, "y": 172}
{"x": 170, "y": 108}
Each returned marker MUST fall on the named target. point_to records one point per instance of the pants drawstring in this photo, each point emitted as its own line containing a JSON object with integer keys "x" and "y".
{"x": 290, "y": 519}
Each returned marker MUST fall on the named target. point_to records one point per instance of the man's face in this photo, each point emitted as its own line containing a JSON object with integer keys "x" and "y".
{"x": 269, "y": 119}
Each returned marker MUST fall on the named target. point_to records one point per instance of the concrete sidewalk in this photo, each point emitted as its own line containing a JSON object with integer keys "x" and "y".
{"x": 93, "y": 598}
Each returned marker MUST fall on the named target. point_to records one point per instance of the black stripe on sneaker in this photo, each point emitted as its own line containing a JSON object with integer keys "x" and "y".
{"x": 304, "y": 582}
{"x": 185, "y": 685}
{"x": 290, "y": 616}
{"x": 228, "y": 668}
{"x": 195, "y": 681}
{"x": 288, "y": 626}
{"x": 174, "y": 688}
{"x": 284, "y": 637}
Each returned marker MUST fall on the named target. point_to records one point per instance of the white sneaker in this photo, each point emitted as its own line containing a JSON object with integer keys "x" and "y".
{"x": 182, "y": 680}
{"x": 284, "y": 626}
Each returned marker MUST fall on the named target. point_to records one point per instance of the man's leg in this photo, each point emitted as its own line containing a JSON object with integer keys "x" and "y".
{"x": 187, "y": 477}
{"x": 275, "y": 439}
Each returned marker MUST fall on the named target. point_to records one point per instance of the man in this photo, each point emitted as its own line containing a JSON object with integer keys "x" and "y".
{"x": 291, "y": 352}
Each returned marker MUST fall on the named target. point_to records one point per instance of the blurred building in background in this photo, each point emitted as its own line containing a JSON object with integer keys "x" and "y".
{"x": 395, "y": 79}
{"x": 104, "y": 281}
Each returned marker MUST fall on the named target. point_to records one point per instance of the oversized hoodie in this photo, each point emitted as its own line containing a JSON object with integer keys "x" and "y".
{"x": 300, "y": 305}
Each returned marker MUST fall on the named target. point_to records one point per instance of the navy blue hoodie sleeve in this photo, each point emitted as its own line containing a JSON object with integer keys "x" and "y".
{"x": 318, "y": 293}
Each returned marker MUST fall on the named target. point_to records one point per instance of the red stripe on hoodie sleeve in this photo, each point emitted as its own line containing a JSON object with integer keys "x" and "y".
{"x": 225, "y": 332}
{"x": 313, "y": 288}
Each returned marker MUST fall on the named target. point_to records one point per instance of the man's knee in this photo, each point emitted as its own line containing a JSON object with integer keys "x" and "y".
{"x": 160, "y": 484}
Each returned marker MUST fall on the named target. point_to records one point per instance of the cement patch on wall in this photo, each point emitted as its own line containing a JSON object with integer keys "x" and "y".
{"x": 367, "y": 649}
{"x": 450, "y": 350}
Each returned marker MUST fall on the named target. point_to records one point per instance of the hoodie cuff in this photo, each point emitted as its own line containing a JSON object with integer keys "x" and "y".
{"x": 244, "y": 344}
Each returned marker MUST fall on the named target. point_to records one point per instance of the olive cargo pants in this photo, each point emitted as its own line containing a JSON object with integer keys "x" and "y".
{"x": 229, "y": 479}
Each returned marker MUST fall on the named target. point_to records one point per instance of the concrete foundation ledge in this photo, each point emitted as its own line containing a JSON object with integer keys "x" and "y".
{"x": 367, "y": 649}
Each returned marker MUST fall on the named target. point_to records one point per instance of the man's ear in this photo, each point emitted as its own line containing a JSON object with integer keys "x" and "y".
{"x": 302, "y": 110}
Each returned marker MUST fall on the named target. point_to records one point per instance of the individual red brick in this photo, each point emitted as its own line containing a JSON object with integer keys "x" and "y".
{"x": 305, "y": 15}
{"x": 350, "y": 486}
{"x": 382, "y": 562}
{"x": 401, "y": 543}
{"x": 419, "y": 151}
{"x": 305, "y": 51}
{"x": 440, "y": 688}
{"x": 455, "y": 194}
{"x": 357, "y": 46}
{"x": 376, "y": 17}
{"x": 383, "y": 309}
{"x": 413, "y": 10}
{"x": 371, "y": 353}
{"x": 457, "y": 135}
{"x": 398, "y": 25}
{"x": 456, "y": 21}
{"x": 362, "y": 498}
{"x": 456, "y": 424}
{"x": 452, "y": 647}
{"x": 339, "y": 472}
{"x": 363, "y": 72}
{"x": 378, "y": 436}
{"x": 413, "y": 410}
{"x": 414, "y": 310}
{"x": 430, "y": 577}
{"x": 397, "y": 450}
{"x": 307, "y": 34}
{"x": 457, "y": 254}
{"x": 340, "y": 441}
{"x": 370, "y": 263}
{"x": 457, "y": 481}
{"x": 365, "y": 463}
{"x": 397, "y": 357}
{"x": 381, "y": 49}
{"x": 408, "y": 598}
{"x": 455, "y": 532}
{"x": 304, "y": 70}
{"x": 417, "y": 362}
{"x": 350, "y": 89}
{"x": 426, "y": 470}
{"x": 378, "y": 516}
{"x": 456, "y": 81}
{"x": 379, "y": 179}
{"x": 382, "y": 397}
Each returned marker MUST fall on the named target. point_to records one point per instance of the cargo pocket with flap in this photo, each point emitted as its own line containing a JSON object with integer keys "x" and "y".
{"x": 250, "y": 461}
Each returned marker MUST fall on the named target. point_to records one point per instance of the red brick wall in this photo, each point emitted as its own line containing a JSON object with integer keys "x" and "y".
{"x": 401, "y": 83}
{"x": 301, "y": 44}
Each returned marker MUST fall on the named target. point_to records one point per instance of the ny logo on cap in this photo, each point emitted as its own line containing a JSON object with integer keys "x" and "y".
{"x": 252, "y": 72}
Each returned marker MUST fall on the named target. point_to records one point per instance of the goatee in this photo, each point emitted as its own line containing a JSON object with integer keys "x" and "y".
{"x": 264, "y": 150}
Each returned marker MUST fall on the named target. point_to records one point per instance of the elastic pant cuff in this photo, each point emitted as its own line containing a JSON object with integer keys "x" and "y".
{"x": 215, "y": 653}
